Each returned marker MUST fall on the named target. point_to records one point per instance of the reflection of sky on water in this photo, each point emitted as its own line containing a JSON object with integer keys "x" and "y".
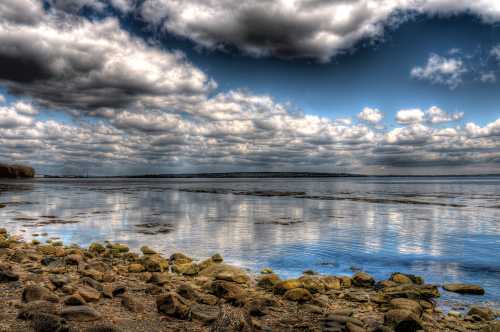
{"x": 330, "y": 236}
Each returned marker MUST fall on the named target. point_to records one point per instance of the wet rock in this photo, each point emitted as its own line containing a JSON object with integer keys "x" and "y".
{"x": 298, "y": 295}
{"x": 81, "y": 313}
{"x": 147, "y": 250}
{"x": 173, "y": 305}
{"x": 89, "y": 294}
{"x": 135, "y": 268}
{"x": 286, "y": 285}
{"x": 42, "y": 322}
{"x": 232, "y": 319}
{"x": 313, "y": 284}
{"x": 464, "y": 289}
{"x": 7, "y": 275}
{"x": 268, "y": 281}
{"x": 75, "y": 299}
{"x": 483, "y": 312}
{"x": 402, "y": 320}
{"x": 362, "y": 279}
{"x": 226, "y": 272}
{"x": 189, "y": 269}
{"x": 27, "y": 311}
{"x": 132, "y": 305}
{"x": 38, "y": 293}
{"x": 204, "y": 313}
{"x": 416, "y": 292}
{"x": 179, "y": 258}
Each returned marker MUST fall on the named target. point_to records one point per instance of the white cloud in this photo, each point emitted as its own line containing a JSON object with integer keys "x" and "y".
{"x": 491, "y": 129}
{"x": 436, "y": 115}
{"x": 371, "y": 115}
{"x": 488, "y": 77}
{"x": 441, "y": 70}
{"x": 2, "y": 99}
{"x": 495, "y": 52}
{"x": 296, "y": 28}
{"x": 410, "y": 116}
{"x": 9, "y": 118}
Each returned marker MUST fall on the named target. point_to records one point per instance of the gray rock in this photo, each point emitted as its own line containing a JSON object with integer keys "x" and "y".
{"x": 81, "y": 313}
{"x": 464, "y": 289}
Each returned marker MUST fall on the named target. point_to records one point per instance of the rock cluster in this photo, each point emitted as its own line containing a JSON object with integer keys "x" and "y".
{"x": 106, "y": 287}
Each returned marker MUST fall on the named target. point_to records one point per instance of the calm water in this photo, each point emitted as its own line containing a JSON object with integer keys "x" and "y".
{"x": 445, "y": 229}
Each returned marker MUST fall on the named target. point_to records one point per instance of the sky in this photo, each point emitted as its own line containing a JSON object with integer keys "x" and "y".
{"x": 115, "y": 87}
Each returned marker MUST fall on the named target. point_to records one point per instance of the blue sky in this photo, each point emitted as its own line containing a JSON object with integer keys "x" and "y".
{"x": 367, "y": 86}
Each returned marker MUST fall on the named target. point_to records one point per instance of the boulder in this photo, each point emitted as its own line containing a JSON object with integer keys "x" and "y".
{"x": 154, "y": 263}
{"x": 483, "y": 312}
{"x": 135, "y": 268}
{"x": 464, "y": 288}
{"x": 229, "y": 291}
{"x": 187, "y": 291}
{"x": 189, "y": 269}
{"x": 97, "y": 248}
{"x": 59, "y": 280}
{"x": 75, "y": 299}
{"x": 331, "y": 283}
{"x": 147, "y": 250}
{"x": 88, "y": 294}
{"x": 16, "y": 171}
{"x": 268, "y": 281}
{"x": 403, "y": 278}
{"x": 298, "y": 295}
{"x": 29, "y": 309}
{"x": 159, "y": 278}
{"x": 43, "y": 322}
{"x": 313, "y": 284}
{"x": 7, "y": 275}
{"x": 132, "y": 305}
{"x": 286, "y": 285}
{"x": 81, "y": 313}
{"x": 407, "y": 304}
{"x": 362, "y": 279}
{"x": 179, "y": 258}
{"x": 402, "y": 320}
{"x": 204, "y": 313}
{"x": 416, "y": 292}
{"x": 173, "y": 305}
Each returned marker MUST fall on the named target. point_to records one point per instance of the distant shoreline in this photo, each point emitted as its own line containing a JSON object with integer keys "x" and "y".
{"x": 260, "y": 175}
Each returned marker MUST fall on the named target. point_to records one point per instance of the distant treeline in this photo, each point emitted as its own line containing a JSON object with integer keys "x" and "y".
{"x": 16, "y": 171}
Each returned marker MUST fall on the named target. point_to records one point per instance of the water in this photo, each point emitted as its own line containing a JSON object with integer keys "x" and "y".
{"x": 445, "y": 229}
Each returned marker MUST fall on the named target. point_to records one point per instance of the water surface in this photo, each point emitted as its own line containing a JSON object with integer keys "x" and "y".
{"x": 445, "y": 229}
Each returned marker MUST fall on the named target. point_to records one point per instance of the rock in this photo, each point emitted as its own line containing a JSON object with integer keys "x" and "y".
{"x": 81, "y": 313}
{"x": 286, "y": 285}
{"x": 402, "y": 320}
{"x": 454, "y": 313}
{"x": 108, "y": 276}
{"x": 298, "y": 295}
{"x": 179, "y": 258}
{"x": 311, "y": 308}
{"x": 93, "y": 274}
{"x": 232, "y": 319}
{"x": 75, "y": 299}
{"x": 132, "y": 305}
{"x": 407, "y": 304}
{"x": 189, "y": 269}
{"x": 229, "y": 291}
{"x": 92, "y": 283}
{"x": 16, "y": 171}
{"x": 362, "y": 279}
{"x": 42, "y": 322}
{"x": 89, "y": 294}
{"x": 159, "y": 278}
{"x": 266, "y": 270}
{"x": 204, "y": 313}
{"x": 258, "y": 306}
{"x": 7, "y": 275}
{"x": 28, "y": 310}
{"x": 331, "y": 283}
{"x": 73, "y": 259}
{"x": 118, "y": 248}
{"x": 338, "y": 323}
{"x": 97, "y": 248}
{"x": 147, "y": 250}
{"x": 402, "y": 278}
{"x": 173, "y": 305}
{"x": 416, "y": 292}
{"x": 226, "y": 272}
{"x": 483, "y": 312}
{"x": 268, "y": 281}
{"x": 154, "y": 263}
{"x": 38, "y": 293}
{"x": 464, "y": 289}
{"x": 102, "y": 328}
{"x": 189, "y": 292}
{"x": 59, "y": 280}
{"x": 217, "y": 258}
{"x": 135, "y": 268}
{"x": 313, "y": 284}
{"x": 345, "y": 282}
{"x": 98, "y": 265}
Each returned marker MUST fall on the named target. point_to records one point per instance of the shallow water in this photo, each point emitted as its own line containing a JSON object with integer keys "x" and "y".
{"x": 445, "y": 229}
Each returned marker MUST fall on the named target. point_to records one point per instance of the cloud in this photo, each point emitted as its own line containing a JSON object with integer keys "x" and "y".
{"x": 410, "y": 116}
{"x": 300, "y": 28}
{"x": 74, "y": 63}
{"x": 488, "y": 77}
{"x": 371, "y": 115}
{"x": 495, "y": 52}
{"x": 436, "y": 115}
{"x": 10, "y": 118}
{"x": 441, "y": 70}
{"x": 490, "y": 130}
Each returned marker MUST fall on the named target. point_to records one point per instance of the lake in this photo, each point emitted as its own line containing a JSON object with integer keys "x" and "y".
{"x": 446, "y": 229}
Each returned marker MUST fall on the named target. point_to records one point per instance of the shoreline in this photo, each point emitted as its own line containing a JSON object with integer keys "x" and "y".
{"x": 106, "y": 287}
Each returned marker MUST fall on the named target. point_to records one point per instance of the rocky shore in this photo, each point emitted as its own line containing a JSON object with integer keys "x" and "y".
{"x": 16, "y": 171}
{"x": 52, "y": 287}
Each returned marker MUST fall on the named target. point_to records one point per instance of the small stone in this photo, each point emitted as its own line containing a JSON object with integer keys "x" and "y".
{"x": 362, "y": 279}
{"x": 298, "y": 295}
{"x": 75, "y": 299}
{"x": 81, "y": 313}
{"x": 464, "y": 289}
